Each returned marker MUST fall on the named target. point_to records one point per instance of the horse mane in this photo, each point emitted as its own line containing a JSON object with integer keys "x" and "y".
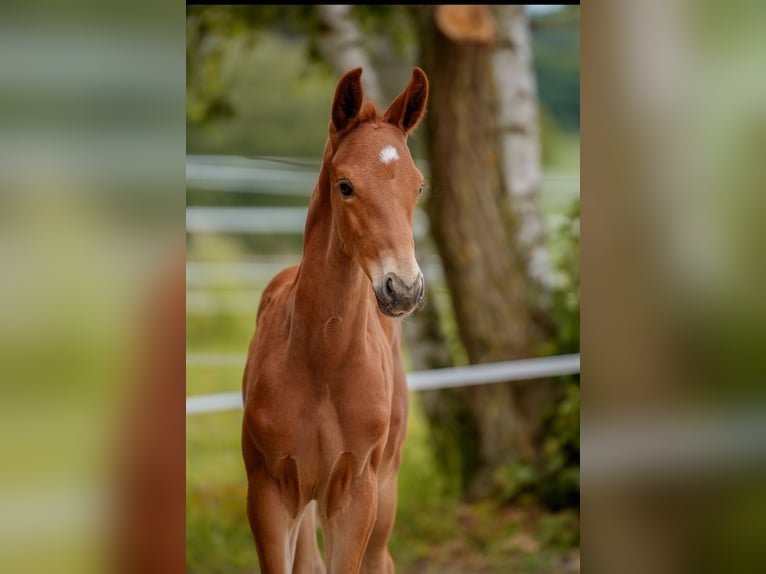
{"x": 368, "y": 113}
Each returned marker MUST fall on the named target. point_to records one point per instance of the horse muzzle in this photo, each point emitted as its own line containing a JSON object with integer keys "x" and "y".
{"x": 396, "y": 298}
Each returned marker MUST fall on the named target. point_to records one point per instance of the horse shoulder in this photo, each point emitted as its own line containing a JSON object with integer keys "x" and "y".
{"x": 267, "y": 399}
{"x": 270, "y": 406}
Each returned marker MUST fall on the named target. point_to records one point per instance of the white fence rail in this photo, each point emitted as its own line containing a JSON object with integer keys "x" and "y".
{"x": 287, "y": 177}
{"x": 280, "y": 176}
{"x": 295, "y": 176}
{"x": 289, "y": 220}
{"x": 245, "y": 219}
{"x": 520, "y": 370}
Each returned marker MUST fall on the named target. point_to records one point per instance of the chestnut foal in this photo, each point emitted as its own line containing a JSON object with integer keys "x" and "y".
{"x": 324, "y": 386}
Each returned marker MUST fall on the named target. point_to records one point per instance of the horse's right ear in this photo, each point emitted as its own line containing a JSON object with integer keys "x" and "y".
{"x": 349, "y": 96}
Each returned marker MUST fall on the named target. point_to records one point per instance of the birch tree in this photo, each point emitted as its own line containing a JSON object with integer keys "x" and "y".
{"x": 518, "y": 125}
{"x": 476, "y": 225}
{"x": 342, "y": 45}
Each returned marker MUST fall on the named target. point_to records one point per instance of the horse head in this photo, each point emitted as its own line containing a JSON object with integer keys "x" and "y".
{"x": 374, "y": 186}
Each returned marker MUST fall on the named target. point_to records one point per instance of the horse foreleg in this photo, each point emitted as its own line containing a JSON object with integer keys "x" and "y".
{"x": 308, "y": 560}
{"x": 272, "y": 508}
{"x": 377, "y": 559}
{"x": 349, "y": 523}
{"x": 275, "y": 529}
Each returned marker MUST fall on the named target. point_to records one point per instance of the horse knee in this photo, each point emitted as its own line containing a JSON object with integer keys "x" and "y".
{"x": 339, "y": 483}
{"x": 286, "y": 473}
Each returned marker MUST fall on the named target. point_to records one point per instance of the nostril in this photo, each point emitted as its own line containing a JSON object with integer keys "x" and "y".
{"x": 418, "y": 286}
{"x": 390, "y": 288}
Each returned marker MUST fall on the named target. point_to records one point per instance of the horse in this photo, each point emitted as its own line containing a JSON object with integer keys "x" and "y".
{"x": 324, "y": 387}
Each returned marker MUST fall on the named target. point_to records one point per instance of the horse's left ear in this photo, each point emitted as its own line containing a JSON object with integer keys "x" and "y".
{"x": 409, "y": 106}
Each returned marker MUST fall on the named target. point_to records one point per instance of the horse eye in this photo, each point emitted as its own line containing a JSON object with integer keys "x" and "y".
{"x": 346, "y": 190}
{"x": 421, "y": 189}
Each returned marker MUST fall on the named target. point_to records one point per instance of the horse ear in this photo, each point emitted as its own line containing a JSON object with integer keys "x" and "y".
{"x": 408, "y": 108}
{"x": 349, "y": 96}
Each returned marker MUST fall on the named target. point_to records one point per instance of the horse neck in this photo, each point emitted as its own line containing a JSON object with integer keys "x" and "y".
{"x": 332, "y": 291}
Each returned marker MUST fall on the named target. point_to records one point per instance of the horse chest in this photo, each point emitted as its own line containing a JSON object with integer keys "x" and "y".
{"x": 315, "y": 420}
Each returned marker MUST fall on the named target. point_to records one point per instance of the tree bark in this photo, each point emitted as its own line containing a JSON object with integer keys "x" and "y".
{"x": 474, "y": 223}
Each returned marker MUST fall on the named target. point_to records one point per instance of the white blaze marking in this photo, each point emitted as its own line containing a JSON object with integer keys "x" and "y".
{"x": 388, "y": 154}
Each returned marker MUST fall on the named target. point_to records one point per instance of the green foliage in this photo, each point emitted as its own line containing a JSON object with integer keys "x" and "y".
{"x": 560, "y": 529}
{"x": 392, "y": 21}
{"x": 281, "y": 102}
{"x": 559, "y": 467}
{"x": 207, "y": 32}
{"x": 559, "y": 485}
{"x": 514, "y": 479}
{"x": 224, "y": 80}
{"x": 565, "y": 297}
{"x": 554, "y": 479}
{"x": 210, "y": 32}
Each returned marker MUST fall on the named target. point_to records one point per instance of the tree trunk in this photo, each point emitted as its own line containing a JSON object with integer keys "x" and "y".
{"x": 473, "y": 222}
